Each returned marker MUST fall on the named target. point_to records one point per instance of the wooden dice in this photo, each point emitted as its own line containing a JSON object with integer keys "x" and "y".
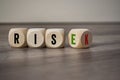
{"x": 80, "y": 38}
{"x": 54, "y": 38}
{"x": 17, "y": 37}
{"x": 35, "y": 37}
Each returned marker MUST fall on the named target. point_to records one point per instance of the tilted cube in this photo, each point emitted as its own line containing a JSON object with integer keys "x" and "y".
{"x": 80, "y": 38}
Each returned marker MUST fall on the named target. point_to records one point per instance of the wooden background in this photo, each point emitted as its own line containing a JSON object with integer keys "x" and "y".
{"x": 99, "y": 62}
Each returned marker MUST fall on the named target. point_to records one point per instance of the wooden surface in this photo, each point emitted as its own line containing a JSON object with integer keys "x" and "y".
{"x": 99, "y": 62}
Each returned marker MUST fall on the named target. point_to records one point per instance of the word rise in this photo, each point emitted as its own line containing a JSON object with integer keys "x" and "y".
{"x": 51, "y": 38}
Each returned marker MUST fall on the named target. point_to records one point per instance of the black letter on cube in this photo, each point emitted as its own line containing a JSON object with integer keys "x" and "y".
{"x": 16, "y": 37}
{"x": 53, "y": 37}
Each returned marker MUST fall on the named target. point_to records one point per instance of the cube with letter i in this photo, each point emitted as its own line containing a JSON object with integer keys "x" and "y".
{"x": 36, "y": 37}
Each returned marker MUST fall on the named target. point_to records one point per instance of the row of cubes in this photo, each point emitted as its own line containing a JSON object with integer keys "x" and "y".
{"x": 51, "y": 38}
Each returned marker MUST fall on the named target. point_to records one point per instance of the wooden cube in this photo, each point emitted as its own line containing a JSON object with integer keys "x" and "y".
{"x": 54, "y": 38}
{"x": 80, "y": 38}
{"x": 35, "y": 37}
{"x": 17, "y": 37}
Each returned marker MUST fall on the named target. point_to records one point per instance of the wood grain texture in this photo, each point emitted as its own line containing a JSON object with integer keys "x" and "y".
{"x": 99, "y": 62}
